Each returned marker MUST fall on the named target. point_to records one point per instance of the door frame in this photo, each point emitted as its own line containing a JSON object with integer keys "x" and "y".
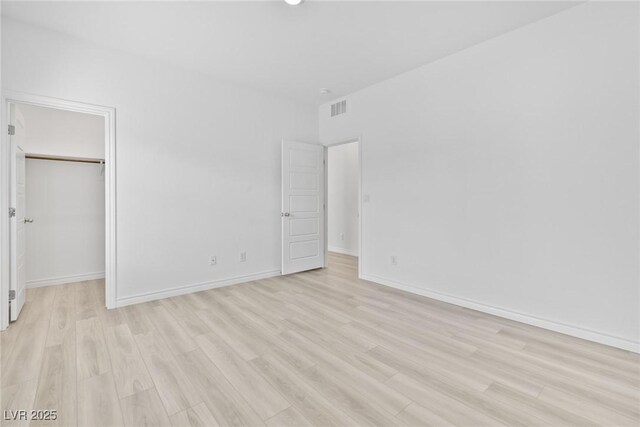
{"x": 109, "y": 115}
{"x": 327, "y": 145}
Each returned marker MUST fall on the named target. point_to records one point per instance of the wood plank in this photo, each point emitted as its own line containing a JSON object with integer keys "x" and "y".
{"x": 93, "y": 358}
{"x": 17, "y": 397}
{"x": 129, "y": 371}
{"x": 264, "y": 399}
{"x": 225, "y": 403}
{"x": 175, "y": 390}
{"x": 310, "y": 403}
{"x": 23, "y": 363}
{"x": 170, "y": 330}
{"x": 87, "y": 299}
{"x": 231, "y": 333}
{"x": 137, "y": 320}
{"x": 416, "y": 415}
{"x": 182, "y": 309}
{"x": 198, "y": 416}
{"x": 377, "y": 392}
{"x": 585, "y": 406}
{"x": 290, "y": 417}
{"x": 57, "y": 387}
{"x": 354, "y": 403}
{"x": 98, "y": 403}
{"x": 63, "y": 317}
{"x": 529, "y": 406}
{"x": 452, "y": 410}
{"x": 144, "y": 408}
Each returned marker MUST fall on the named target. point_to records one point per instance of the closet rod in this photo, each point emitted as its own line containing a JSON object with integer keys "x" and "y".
{"x": 64, "y": 159}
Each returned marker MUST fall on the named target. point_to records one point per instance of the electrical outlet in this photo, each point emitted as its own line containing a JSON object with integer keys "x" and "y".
{"x": 366, "y": 198}
{"x": 243, "y": 256}
{"x": 394, "y": 260}
{"x": 213, "y": 260}
{"x": 341, "y": 236}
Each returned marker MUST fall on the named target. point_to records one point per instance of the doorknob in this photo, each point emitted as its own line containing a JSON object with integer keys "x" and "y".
{"x": 286, "y": 214}
{"x": 28, "y": 220}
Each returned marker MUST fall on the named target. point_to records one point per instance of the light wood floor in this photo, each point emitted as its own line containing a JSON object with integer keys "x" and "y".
{"x": 317, "y": 348}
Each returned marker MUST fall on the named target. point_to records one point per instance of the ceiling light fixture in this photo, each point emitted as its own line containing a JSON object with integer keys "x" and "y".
{"x": 294, "y": 2}
{"x": 324, "y": 91}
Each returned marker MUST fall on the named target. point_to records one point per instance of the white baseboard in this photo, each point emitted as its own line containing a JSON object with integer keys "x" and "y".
{"x": 152, "y": 296}
{"x": 65, "y": 279}
{"x": 342, "y": 251}
{"x": 562, "y": 328}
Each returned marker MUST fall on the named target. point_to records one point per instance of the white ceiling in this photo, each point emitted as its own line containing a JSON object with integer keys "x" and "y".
{"x": 292, "y": 51}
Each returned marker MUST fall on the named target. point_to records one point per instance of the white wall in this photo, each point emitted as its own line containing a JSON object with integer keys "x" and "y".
{"x": 198, "y": 161}
{"x": 65, "y": 243}
{"x": 63, "y": 133}
{"x": 342, "y": 180}
{"x": 505, "y": 177}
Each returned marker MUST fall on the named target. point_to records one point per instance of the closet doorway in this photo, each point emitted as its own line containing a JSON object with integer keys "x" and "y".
{"x": 343, "y": 212}
{"x": 60, "y": 203}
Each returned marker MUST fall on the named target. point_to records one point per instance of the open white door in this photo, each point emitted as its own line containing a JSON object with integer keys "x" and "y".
{"x": 18, "y": 236}
{"x": 302, "y": 206}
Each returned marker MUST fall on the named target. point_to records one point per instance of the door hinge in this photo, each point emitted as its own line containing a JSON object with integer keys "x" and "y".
{"x": 12, "y": 295}
{"x": 12, "y": 130}
{"x": 12, "y": 212}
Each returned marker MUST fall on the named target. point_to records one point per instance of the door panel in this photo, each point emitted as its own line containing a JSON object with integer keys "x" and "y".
{"x": 18, "y": 231}
{"x": 302, "y": 206}
{"x": 303, "y": 181}
{"x": 304, "y": 249}
{"x": 303, "y": 227}
{"x": 299, "y": 204}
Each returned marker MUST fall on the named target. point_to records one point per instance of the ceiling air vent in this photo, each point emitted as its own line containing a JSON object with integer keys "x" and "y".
{"x": 338, "y": 108}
